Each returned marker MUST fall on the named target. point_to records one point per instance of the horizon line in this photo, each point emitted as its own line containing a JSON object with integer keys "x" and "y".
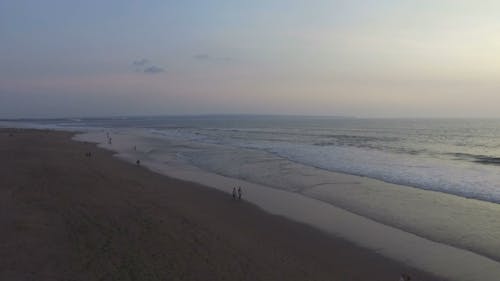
{"x": 241, "y": 115}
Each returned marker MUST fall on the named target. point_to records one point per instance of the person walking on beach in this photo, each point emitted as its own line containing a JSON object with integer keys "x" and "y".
{"x": 239, "y": 192}
{"x": 234, "y": 193}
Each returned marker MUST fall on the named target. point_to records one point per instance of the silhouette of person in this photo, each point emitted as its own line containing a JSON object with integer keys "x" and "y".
{"x": 234, "y": 193}
{"x": 239, "y": 192}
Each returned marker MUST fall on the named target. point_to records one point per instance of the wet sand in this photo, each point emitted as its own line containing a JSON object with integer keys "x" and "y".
{"x": 65, "y": 216}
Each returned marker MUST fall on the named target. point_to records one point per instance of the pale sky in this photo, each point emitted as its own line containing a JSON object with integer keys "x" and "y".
{"x": 356, "y": 58}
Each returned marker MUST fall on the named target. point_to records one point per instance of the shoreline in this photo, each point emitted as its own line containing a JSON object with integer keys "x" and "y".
{"x": 443, "y": 258}
{"x": 120, "y": 207}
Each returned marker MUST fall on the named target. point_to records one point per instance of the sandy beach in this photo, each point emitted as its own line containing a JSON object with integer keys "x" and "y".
{"x": 66, "y": 216}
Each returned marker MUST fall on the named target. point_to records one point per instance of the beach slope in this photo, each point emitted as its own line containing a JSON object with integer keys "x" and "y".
{"x": 67, "y": 216}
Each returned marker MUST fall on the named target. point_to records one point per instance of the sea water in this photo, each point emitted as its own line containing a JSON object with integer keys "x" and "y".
{"x": 437, "y": 178}
{"x": 456, "y": 156}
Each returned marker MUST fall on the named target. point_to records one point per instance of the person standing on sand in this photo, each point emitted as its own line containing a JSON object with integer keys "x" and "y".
{"x": 234, "y": 193}
{"x": 239, "y": 192}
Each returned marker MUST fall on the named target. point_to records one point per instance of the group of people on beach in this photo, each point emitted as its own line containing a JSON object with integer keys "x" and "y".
{"x": 237, "y": 193}
{"x": 109, "y": 138}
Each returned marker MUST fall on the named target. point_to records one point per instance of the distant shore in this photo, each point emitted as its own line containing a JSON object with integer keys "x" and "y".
{"x": 69, "y": 216}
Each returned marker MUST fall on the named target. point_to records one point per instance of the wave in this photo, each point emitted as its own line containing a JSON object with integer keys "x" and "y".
{"x": 409, "y": 170}
{"x": 481, "y": 159}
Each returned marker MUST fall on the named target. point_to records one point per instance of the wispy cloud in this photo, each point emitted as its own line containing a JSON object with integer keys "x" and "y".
{"x": 154, "y": 69}
{"x": 145, "y": 66}
{"x": 201, "y": 56}
{"x": 141, "y": 62}
{"x": 207, "y": 57}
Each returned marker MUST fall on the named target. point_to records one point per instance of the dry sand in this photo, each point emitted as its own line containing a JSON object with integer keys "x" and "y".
{"x": 65, "y": 216}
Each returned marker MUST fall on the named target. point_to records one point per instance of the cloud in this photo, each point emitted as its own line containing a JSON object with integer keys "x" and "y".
{"x": 153, "y": 69}
{"x": 202, "y": 57}
{"x": 141, "y": 62}
{"x": 207, "y": 57}
{"x": 145, "y": 66}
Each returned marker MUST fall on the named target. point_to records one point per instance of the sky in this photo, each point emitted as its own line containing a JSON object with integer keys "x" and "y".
{"x": 385, "y": 58}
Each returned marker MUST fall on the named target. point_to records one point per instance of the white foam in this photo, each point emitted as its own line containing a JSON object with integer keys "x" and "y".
{"x": 444, "y": 175}
{"x": 480, "y": 182}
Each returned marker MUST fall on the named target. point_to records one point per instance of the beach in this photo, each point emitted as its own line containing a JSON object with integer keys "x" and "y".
{"x": 233, "y": 140}
{"x": 66, "y": 216}
{"x": 451, "y": 236}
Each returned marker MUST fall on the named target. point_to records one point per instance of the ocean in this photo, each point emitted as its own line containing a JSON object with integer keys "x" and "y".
{"x": 456, "y": 156}
{"x": 438, "y": 179}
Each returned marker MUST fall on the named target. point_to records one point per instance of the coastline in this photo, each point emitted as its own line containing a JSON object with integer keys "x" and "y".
{"x": 70, "y": 216}
{"x": 440, "y": 258}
